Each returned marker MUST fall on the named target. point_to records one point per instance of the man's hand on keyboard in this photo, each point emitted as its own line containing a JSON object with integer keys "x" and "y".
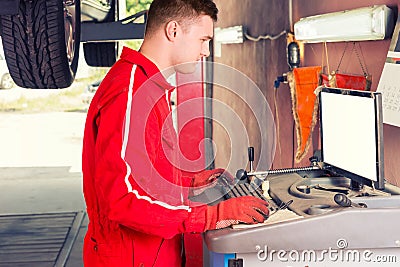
{"x": 207, "y": 177}
{"x": 246, "y": 209}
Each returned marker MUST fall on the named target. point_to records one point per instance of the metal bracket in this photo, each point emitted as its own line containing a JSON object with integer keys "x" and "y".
{"x": 125, "y": 29}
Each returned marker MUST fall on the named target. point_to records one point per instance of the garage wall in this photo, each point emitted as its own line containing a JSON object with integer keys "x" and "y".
{"x": 263, "y": 61}
{"x": 260, "y": 61}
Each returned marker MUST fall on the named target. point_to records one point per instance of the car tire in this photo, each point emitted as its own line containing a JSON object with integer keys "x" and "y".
{"x": 6, "y": 81}
{"x": 41, "y": 43}
{"x": 100, "y": 54}
{"x": 103, "y": 54}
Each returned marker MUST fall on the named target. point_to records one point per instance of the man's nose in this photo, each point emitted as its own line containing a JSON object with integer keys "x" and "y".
{"x": 205, "y": 52}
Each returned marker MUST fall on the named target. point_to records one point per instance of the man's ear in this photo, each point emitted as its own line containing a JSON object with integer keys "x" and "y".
{"x": 171, "y": 30}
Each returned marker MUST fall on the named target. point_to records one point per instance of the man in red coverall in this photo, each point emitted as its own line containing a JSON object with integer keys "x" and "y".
{"x": 135, "y": 193}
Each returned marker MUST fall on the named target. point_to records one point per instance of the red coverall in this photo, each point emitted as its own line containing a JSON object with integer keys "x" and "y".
{"x": 128, "y": 226}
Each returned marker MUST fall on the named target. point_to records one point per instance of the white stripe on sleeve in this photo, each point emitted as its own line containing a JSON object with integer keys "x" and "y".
{"x": 123, "y": 152}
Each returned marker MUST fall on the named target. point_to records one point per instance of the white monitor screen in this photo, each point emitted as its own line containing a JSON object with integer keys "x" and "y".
{"x": 349, "y": 133}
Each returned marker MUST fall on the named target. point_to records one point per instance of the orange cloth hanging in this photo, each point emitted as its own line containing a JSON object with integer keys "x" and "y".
{"x": 303, "y": 82}
{"x": 348, "y": 81}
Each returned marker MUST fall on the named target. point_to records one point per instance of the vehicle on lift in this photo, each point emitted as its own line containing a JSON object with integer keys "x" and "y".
{"x": 41, "y": 38}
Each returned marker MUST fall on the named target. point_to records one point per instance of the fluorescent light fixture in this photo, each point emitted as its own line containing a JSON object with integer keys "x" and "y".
{"x": 231, "y": 35}
{"x": 361, "y": 24}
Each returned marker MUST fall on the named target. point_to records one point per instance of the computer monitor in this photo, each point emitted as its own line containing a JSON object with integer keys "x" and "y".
{"x": 352, "y": 134}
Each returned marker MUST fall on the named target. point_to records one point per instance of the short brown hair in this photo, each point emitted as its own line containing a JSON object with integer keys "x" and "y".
{"x": 163, "y": 11}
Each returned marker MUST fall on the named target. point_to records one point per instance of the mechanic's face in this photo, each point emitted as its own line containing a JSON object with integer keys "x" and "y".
{"x": 193, "y": 43}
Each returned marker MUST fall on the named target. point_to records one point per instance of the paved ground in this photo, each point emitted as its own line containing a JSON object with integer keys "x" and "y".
{"x": 16, "y": 93}
{"x": 40, "y": 166}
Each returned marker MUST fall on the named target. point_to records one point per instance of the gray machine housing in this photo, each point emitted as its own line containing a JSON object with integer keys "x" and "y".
{"x": 371, "y": 224}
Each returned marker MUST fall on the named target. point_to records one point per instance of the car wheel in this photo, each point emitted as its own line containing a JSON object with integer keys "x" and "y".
{"x": 101, "y": 54}
{"x": 6, "y": 81}
{"x": 41, "y": 43}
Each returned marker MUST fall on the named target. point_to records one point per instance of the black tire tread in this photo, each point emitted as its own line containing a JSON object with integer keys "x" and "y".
{"x": 34, "y": 45}
{"x": 100, "y": 54}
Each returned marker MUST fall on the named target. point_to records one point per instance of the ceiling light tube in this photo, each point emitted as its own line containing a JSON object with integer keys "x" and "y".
{"x": 361, "y": 24}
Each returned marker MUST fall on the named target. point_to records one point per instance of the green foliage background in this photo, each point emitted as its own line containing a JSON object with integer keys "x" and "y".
{"x": 134, "y": 6}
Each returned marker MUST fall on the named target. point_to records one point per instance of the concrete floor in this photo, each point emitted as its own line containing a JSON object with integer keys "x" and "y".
{"x": 40, "y": 166}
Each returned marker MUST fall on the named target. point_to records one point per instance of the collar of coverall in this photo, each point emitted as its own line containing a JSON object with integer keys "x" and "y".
{"x": 150, "y": 69}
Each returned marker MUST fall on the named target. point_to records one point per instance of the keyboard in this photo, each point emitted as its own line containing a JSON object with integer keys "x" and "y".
{"x": 245, "y": 189}
{"x": 277, "y": 213}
